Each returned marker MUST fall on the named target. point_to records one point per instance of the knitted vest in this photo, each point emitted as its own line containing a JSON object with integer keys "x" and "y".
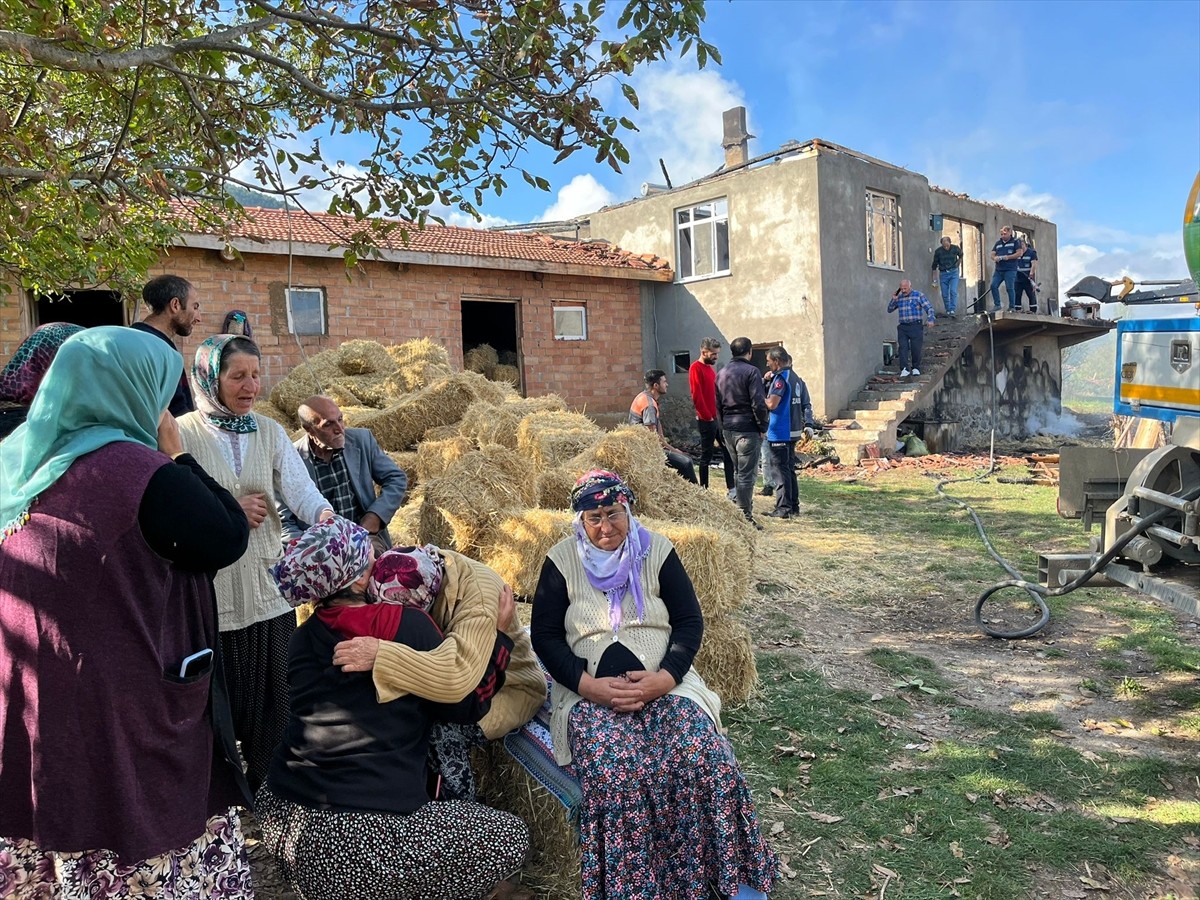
{"x": 246, "y": 592}
{"x": 589, "y": 634}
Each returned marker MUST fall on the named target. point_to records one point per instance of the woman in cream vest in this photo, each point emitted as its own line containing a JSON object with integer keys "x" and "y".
{"x": 666, "y": 810}
{"x": 251, "y": 457}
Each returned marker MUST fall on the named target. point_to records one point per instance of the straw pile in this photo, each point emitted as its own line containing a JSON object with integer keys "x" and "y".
{"x": 435, "y": 457}
{"x": 497, "y": 423}
{"x": 550, "y": 439}
{"x": 507, "y": 375}
{"x": 518, "y": 542}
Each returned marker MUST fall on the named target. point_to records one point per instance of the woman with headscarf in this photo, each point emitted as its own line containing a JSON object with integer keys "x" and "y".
{"x": 251, "y": 456}
{"x": 20, "y": 378}
{"x": 666, "y": 811}
{"x": 474, "y": 607}
{"x": 346, "y": 808}
{"x": 118, "y": 768}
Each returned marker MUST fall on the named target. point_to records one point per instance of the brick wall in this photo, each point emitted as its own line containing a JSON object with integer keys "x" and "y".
{"x": 392, "y": 303}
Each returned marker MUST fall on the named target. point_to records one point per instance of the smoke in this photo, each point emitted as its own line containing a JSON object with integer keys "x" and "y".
{"x": 1048, "y": 422}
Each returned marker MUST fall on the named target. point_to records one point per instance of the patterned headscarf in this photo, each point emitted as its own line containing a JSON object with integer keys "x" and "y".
{"x": 206, "y": 374}
{"x": 600, "y": 487}
{"x": 20, "y": 379}
{"x": 106, "y": 384}
{"x": 614, "y": 573}
{"x": 411, "y": 576}
{"x": 329, "y": 556}
{"x": 236, "y": 322}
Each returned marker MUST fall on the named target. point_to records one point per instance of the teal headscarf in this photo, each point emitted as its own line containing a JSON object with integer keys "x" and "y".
{"x": 106, "y": 384}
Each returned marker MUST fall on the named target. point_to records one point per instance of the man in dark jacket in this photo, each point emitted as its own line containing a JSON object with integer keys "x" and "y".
{"x": 743, "y": 410}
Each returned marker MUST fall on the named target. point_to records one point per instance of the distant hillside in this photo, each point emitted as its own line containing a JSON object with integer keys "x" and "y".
{"x": 247, "y": 197}
{"x": 1088, "y": 370}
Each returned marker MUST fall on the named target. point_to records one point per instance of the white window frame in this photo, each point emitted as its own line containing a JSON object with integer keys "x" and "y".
{"x": 291, "y": 322}
{"x": 711, "y": 214}
{"x": 579, "y": 334}
{"x": 884, "y": 208}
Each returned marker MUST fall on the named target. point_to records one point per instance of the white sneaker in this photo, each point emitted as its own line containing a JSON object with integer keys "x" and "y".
{"x": 916, "y": 371}
{"x": 904, "y": 373}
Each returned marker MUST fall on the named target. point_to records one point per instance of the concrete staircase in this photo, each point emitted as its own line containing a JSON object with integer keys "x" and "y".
{"x": 874, "y": 413}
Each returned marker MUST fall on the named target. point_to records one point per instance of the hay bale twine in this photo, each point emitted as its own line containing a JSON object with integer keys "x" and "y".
{"x": 718, "y": 564}
{"x": 360, "y": 357}
{"x": 435, "y": 457}
{"x": 481, "y": 359}
{"x": 552, "y": 438}
{"x": 517, "y": 544}
{"x": 507, "y": 375}
{"x": 726, "y": 659}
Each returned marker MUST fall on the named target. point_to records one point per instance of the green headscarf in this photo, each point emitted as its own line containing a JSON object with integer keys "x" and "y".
{"x": 106, "y": 384}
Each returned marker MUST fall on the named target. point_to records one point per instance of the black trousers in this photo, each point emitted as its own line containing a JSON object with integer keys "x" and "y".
{"x": 787, "y": 492}
{"x": 911, "y": 337}
{"x": 1025, "y": 288}
{"x": 710, "y": 439}
{"x": 682, "y": 463}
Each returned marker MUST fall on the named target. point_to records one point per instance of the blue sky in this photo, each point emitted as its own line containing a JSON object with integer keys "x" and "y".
{"x": 1086, "y": 112}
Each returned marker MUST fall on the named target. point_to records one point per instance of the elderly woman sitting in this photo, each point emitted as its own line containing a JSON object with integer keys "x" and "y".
{"x": 666, "y": 811}
{"x": 345, "y": 807}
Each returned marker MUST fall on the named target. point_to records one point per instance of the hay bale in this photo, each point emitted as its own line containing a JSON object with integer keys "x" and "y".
{"x": 677, "y": 500}
{"x": 408, "y": 379}
{"x": 552, "y": 438}
{"x": 376, "y": 391}
{"x": 481, "y": 359}
{"x": 405, "y": 525}
{"x": 634, "y": 453}
{"x": 726, "y": 659}
{"x": 271, "y": 411}
{"x": 718, "y": 564}
{"x": 554, "y": 868}
{"x": 403, "y": 424}
{"x": 435, "y": 457}
{"x": 442, "y": 433}
{"x": 553, "y": 487}
{"x": 419, "y": 351}
{"x": 507, "y": 375}
{"x": 306, "y": 379}
{"x": 497, "y": 422}
{"x": 365, "y": 358}
{"x": 409, "y": 462}
{"x": 517, "y": 544}
{"x": 509, "y": 358}
{"x": 477, "y": 489}
{"x": 355, "y": 414}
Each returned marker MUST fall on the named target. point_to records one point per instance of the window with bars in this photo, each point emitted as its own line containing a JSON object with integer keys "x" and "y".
{"x": 702, "y": 240}
{"x": 883, "y": 230}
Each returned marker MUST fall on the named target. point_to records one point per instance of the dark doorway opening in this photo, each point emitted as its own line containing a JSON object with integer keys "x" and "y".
{"x": 86, "y": 308}
{"x": 497, "y": 324}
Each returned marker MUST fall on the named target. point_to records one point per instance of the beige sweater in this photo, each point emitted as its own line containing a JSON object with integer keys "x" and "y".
{"x": 589, "y": 634}
{"x": 466, "y": 609}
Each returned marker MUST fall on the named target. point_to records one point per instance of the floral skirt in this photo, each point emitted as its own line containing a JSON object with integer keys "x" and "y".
{"x": 443, "y": 851}
{"x": 212, "y": 866}
{"x": 666, "y": 811}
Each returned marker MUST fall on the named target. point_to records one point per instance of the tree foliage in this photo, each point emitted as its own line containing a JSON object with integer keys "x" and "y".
{"x": 115, "y": 115}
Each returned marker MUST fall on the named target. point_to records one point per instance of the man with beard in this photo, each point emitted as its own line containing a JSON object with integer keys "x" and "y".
{"x": 702, "y": 379}
{"x": 174, "y": 312}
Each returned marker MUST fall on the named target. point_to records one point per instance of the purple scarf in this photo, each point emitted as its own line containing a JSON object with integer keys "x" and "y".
{"x": 616, "y": 572}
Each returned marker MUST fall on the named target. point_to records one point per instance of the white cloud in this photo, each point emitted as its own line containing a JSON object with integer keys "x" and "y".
{"x": 1150, "y": 257}
{"x": 582, "y": 194}
{"x": 680, "y": 121}
{"x": 1025, "y": 198}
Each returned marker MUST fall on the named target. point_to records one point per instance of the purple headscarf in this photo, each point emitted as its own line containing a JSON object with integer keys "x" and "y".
{"x": 408, "y": 575}
{"x": 617, "y": 572}
{"x": 326, "y": 558}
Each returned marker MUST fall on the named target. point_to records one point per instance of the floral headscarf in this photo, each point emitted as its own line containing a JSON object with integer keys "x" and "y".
{"x": 614, "y": 573}
{"x": 20, "y": 379}
{"x": 326, "y": 558}
{"x": 206, "y": 374}
{"x": 408, "y": 575}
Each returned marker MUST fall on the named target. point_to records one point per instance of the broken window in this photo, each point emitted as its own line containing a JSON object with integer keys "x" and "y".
{"x": 883, "y": 230}
{"x": 969, "y": 237}
{"x": 702, "y": 248}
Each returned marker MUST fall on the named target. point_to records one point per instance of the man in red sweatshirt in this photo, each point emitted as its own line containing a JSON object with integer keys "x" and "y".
{"x": 702, "y": 379}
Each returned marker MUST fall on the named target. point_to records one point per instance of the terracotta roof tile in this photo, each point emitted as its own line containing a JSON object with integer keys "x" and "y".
{"x": 322, "y": 229}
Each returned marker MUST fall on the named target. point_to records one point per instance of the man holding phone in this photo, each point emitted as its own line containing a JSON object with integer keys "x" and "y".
{"x": 916, "y": 314}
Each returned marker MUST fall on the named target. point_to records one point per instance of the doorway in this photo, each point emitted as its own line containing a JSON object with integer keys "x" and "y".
{"x": 495, "y": 324}
{"x": 86, "y": 308}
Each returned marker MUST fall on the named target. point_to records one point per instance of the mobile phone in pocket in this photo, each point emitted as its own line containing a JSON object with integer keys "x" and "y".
{"x": 197, "y": 662}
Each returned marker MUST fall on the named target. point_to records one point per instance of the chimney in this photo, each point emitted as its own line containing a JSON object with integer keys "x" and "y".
{"x": 736, "y": 140}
